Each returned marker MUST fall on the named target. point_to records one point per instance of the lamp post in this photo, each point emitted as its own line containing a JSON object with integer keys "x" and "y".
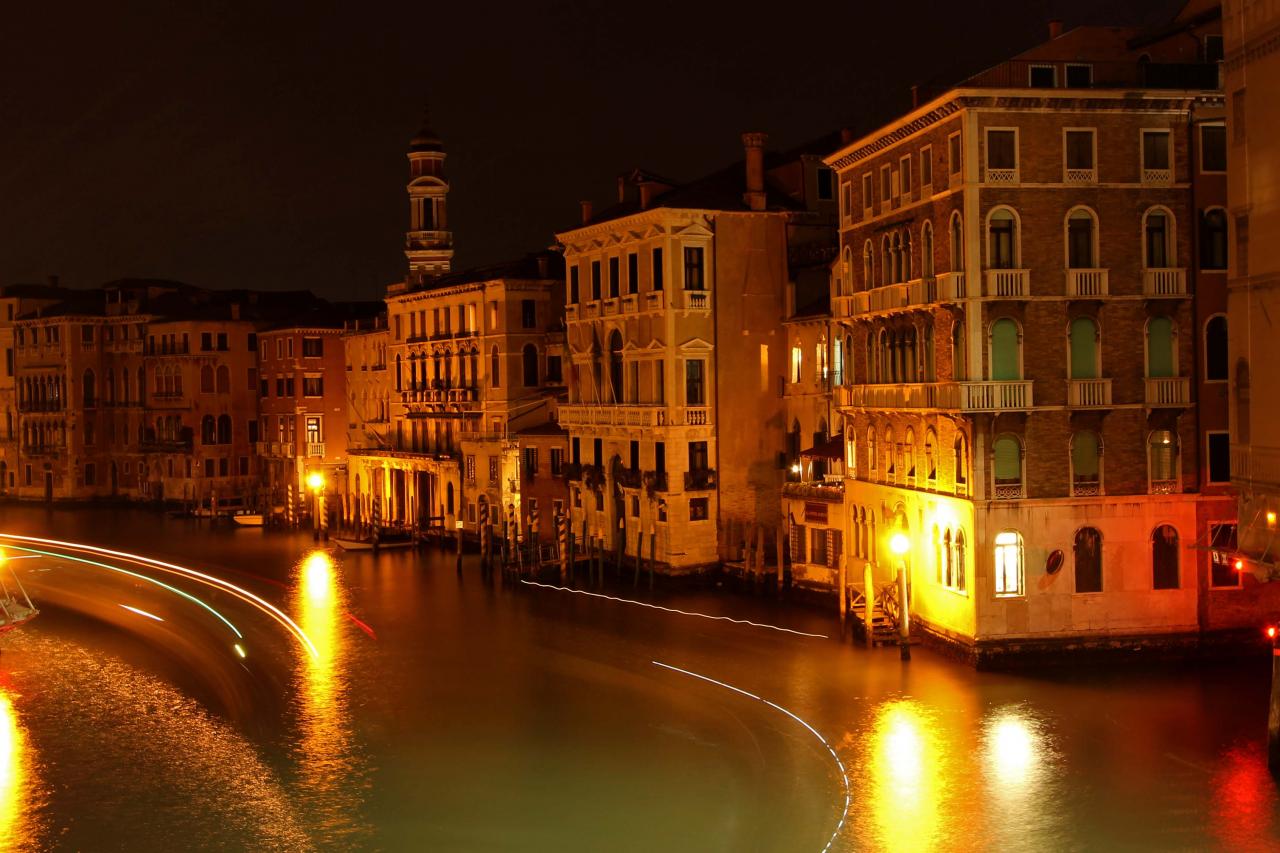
{"x": 315, "y": 482}
{"x": 899, "y": 544}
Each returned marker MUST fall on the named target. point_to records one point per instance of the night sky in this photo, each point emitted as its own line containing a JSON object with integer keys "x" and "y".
{"x": 263, "y": 145}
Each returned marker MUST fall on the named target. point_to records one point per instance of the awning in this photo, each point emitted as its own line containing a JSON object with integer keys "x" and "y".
{"x": 832, "y": 448}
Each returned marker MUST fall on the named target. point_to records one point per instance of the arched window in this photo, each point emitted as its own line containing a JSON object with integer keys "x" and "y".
{"x": 399, "y": 375}
{"x": 957, "y": 243}
{"x": 846, "y": 273}
{"x": 1008, "y": 564}
{"x": 793, "y": 444}
{"x": 1215, "y": 348}
{"x": 1243, "y": 426}
{"x": 1002, "y": 239}
{"x": 930, "y": 370}
{"x": 1082, "y": 234}
{"x": 90, "y": 390}
{"x": 868, "y": 267}
{"x": 1164, "y": 557}
{"x": 886, "y": 261}
{"x": 615, "y": 366}
{"x": 851, "y": 455}
{"x": 224, "y": 379}
{"x": 891, "y": 455}
{"x": 495, "y": 367}
{"x": 931, "y": 456}
{"x": 909, "y": 454}
{"x": 1006, "y": 356}
{"x": 208, "y": 430}
{"x": 1213, "y": 239}
{"x": 1162, "y": 461}
{"x": 884, "y": 358}
{"x": 907, "y": 266}
{"x": 1086, "y": 467}
{"x": 960, "y": 463}
{"x": 926, "y": 250}
{"x": 837, "y": 361}
{"x": 898, "y": 265}
{"x": 1157, "y": 243}
{"x": 1088, "y": 559}
{"x": 959, "y": 357}
{"x": 206, "y": 379}
{"x": 940, "y": 556}
{"x": 1007, "y": 453}
{"x": 109, "y": 387}
{"x": 529, "y": 361}
{"x": 1161, "y": 358}
{"x": 224, "y": 429}
{"x": 1084, "y": 348}
{"x": 873, "y": 462}
{"x": 958, "y": 560}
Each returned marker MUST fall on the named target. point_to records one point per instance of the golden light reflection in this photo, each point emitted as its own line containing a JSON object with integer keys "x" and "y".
{"x": 1011, "y": 750}
{"x": 325, "y": 753}
{"x": 1017, "y": 764}
{"x": 905, "y": 777}
{"x": 16, "y": 832}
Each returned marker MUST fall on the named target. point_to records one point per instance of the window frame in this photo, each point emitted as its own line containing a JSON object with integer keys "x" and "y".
{"x": 868, "y": 195}
{"x": 1208, "y": 457}
{"x": 1170, "y": 237}
{"x": 1033, "y": 67}
{"x": 1093, "y": 156}
{"x": 1095, "y": 247}
{"x": 905, "y": 187}
{"x": 1001, "y": 550}
{"x": 1143, "y": 168}
{"x": 926, "y": 158}
{"x": 1066, "y": 74}
{"x": 1016, "y": 261}
{"x": 955, "y": 158}
{"x": 1204, "y": 340}
{"x": 987, "y": 168}
{"x": 1201, "y": 146}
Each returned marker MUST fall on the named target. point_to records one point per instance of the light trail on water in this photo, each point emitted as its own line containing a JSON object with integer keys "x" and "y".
{"x": 275, "y": 613}
{"x": 844, "y": 775}
{"x": 141, "y": 612}
{"x": 673, "y": 609}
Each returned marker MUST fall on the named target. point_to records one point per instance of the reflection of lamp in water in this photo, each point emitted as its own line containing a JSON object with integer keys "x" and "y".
{"x": 317, "y": 577}
{"x": 906, "y": 777}
{"x": 899, "y": 544}
{"x": 1011, "y": 749}
{"x": 315, "y": 482}
{"x": 13, "y": 787}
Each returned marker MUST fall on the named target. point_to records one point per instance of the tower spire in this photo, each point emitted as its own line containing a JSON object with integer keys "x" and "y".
{"x": 428, "y": 242}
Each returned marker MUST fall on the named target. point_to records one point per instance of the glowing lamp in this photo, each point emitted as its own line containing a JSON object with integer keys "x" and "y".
{"x": 1271, "y": 519}
{"x": 1239, "y": 565}
{"x": 1271, "y": 632}
{"x": 795, "y": 469}
{"x": 899, "y": 543}
{"x": 315, "y": 481}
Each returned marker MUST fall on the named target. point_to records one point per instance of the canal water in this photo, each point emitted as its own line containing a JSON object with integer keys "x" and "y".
{"x": 410, "y": 708}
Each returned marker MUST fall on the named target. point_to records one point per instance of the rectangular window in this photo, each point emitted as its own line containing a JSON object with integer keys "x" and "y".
{"x": 1079, "y": 75}
{"x": 926, "y": 167}
{"x": 797, "y": 363}
{"x": 693, "y": 269}
{"x": 699, "y": 460}
{"x": 1008, "y": 564}
{"x": 1213, "y": 148}
{"x": 557, "y": 461}
{"x": 253, "y": 340}
{"x": 289, "y": 389}
{"x": 223, "y": 345}
{"x": 954, "y": 164}
{"x": 206, "y": 341}
{"x": 553, "y": 369}
{"x": 846, "y": 200}
{"x": 904, "y": 177}
{"x": 530, "y": 468}
{"x": 493, "y": 469}
{"x": 868, "y": 188}
{"x": 208, "y": 467}
{"x": 1155, "y": 155}
{"x": 312, "y": 348}
{"x": 1213, "y": 50}
{"x": 826, "y": 184}
{"x": 528, "y": 314}
{"x": 1219, "y": 457}
{"x": 573, "y": 285}
{"x": 614, "y": 284}
{"x": 818, "y": 543}
{"x": 657, "y": 268}
{"x": 886, "y": 184}
{"x": 313, "y": 386}
{"x": 279, "y": 386}
{"x": 90, "y": 474}
{"x": 695, "y": 392}
{"x": 595, "y": 281}
{"x": 1042, "y": 76}
{"x": 797, "y": 543}
{"x": 699, "y": 509}
{"x": 312, "y": 427}
{"x": 1222, "y": 556}
{"x": 660, "y": 381}
{"x": 633, "y": 273}
{"x": 1079, "y": 154}
{"x": 1002, "y": 151}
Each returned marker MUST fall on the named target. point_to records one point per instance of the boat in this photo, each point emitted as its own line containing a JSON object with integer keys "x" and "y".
{"x": 14, "y": 612}
{"x": 384, "y": 543}
{"x": 248, "y": 519}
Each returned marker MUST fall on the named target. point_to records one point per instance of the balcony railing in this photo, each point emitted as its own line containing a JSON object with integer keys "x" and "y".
{"x": 695, "y": 415}
{"x": 609, "y": 307}
{"x": 1008, "y": 491}
{"x": 995, "y": 396}
{"x": 697, "y": 300}
{"x": 1002, "y": 177}
{"x": 630, "y": 303}
{"x": 1164, "y": 282}
{"x": 1085, "y": 488}
{"x": 655, "y": 300}
{"x": 315, "y": 449}
{"x": 615, "y": 415}
{"x": 1157, "y": 176}
{"x": 1008, "y": 284}
{"x": 1089, "y": 393}
{"x": 951, "y": 286}
{"x": 829, "y": 491}
{"x": 571, "y": 312}
{"x": 1169, "y": 391}
{"x": 1081, "y": 176}
{"x": 700, "y": 479}
{"x": 1253, "y": 464}
{"x": 1087, "y": 282}
{"x": 1164, "y": 487}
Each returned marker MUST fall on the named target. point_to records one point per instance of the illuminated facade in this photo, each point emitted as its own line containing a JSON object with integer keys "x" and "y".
{"x": 1016, "y": 294}
{"x": 674, "y": 304}
{"x": 1253, "y": 205}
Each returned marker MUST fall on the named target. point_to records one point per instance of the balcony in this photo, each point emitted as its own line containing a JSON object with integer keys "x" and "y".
{"x": 571, "y": 312}
{"x": 631, "y": 303}
{"x": 609, "y": 307}
{"x": 315, "y": 449}
{"x": 1163, "y": 487}
{"x": 1089, "y": 393}
{"x": 829, "y": 490}
{"x": 1008, "y": 284}
{"x": 1002, "y": 177}
{"x": 951, "y": 286}
{"x": 1157, "y": 177}
{"x": 695, "y": 415}
{"x": 1170, "y": 391}
{"x": 655, "y": 300}
{"x": 697, "y": 300}
{"x": 1254, "y": 465}
{"x": 1170, "y": 282}
{"x": 1008, "y": 491}
{"x": 702, "y": 479}
{"x": 629, "y": 479}
{"x": 1087, "y": 283}
{"x": 923, "y": 395}
{"x": 1081, "y": 176}
{"x": 1086, "y": 488}
{"x": 995, "y": 396}
{"x": 612, "y": 415}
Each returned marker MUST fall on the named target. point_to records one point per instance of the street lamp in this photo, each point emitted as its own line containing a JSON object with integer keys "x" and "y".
{"x": 899, "y": 544}
{"x": 315, "y": 482}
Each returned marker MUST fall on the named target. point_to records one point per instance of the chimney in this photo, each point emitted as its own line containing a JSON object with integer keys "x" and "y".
{"x": 622, "y": 188}
{"x": 753, "y": 143}
{"x": 646, "y": 194}
{"x": 586, "y": 211}
{"x": 1055, "y": 29}
{"x": 846, "y": 135}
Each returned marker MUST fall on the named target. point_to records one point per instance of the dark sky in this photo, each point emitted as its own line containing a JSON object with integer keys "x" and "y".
{"x": 262, "y": 144}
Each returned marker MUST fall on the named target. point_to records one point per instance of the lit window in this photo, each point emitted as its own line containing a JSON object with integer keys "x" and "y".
{"x": 1008, "y": 564}
{"x": 797, "y": 363}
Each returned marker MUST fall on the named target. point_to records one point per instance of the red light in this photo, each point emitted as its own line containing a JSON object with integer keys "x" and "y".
{"x": 1271, "y": 631}
{"x": 1239, "y": 565}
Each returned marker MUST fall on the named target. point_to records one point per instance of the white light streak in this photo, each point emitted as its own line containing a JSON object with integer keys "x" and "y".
{"x": 673, "y": 609}
{"x": 844, "y": 775}
{"x": 141, "y": 612}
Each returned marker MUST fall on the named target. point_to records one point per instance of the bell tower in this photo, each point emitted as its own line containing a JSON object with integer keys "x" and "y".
{"x": 428, "y": 244}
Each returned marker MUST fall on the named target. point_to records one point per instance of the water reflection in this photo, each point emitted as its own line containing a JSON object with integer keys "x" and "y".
{"x": 327, "y": 762}
{"x": 905, "y": 776}
{"x": 16, "y": 831}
